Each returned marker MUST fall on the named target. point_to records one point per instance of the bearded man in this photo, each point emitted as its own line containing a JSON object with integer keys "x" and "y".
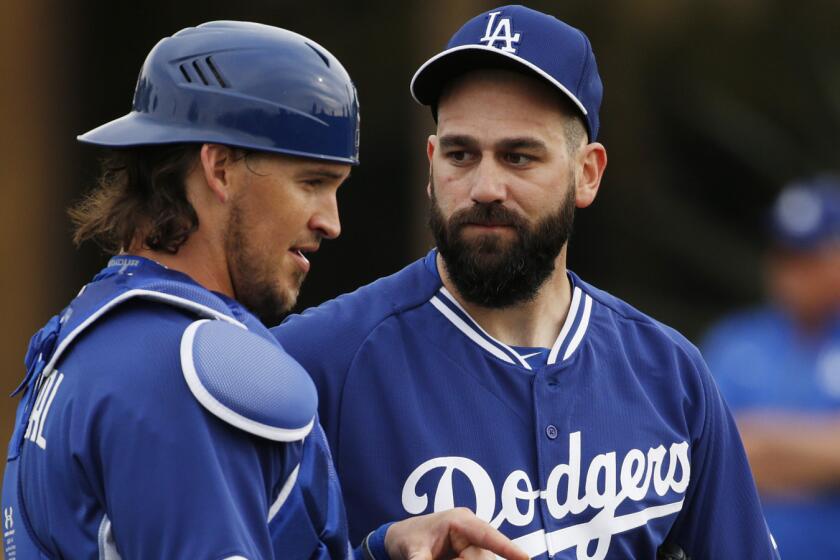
{"x": 489, "y": 376}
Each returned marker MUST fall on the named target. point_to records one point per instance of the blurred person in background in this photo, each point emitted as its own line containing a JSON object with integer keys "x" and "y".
{"x": 779, "y": 368}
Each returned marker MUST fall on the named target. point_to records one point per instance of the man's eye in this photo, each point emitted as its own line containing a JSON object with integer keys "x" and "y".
{"x": 518, "y": 159}
{"x": 458, "y": 156}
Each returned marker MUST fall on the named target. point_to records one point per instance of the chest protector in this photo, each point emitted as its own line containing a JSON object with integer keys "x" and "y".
{"x": 146, "y": 280}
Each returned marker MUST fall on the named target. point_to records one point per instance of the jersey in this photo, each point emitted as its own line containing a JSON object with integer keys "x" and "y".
{"x": 762, "y": 363}
{"x": 114, "y": 457}
{"x": 618, "y": 442}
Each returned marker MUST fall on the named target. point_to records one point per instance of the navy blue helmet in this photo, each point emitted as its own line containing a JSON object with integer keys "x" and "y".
{"x": 241, "y": 84}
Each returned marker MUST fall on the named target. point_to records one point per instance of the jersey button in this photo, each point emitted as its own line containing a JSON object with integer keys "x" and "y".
{"x": 551, "y": 431}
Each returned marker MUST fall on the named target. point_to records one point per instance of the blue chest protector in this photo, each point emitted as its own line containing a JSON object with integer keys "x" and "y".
{"x": 306, "y": 518}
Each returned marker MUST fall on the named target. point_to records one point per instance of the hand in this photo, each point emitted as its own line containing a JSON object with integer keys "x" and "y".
{"x": 455, "y": 533}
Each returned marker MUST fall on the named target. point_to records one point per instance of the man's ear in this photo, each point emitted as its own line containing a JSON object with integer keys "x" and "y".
{"x": 592, "y": 161}
{"x": 431, "y": 146}
{"x": 216, "y": 161}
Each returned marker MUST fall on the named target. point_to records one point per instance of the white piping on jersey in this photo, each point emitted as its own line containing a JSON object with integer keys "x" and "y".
{"x": 475, "y": 324}
{"x": 221, "y": 411}
{"x": 284, "y": 494}
{"x": 567, "y": 326}
{"x": 584, "y": 322}
{"x": 539, "y": 542}
{"x": 147, "y": 294}
{"x": 105, "y": 539}
{"x": 499, "y": 349}
{"x": 467, "y": 330}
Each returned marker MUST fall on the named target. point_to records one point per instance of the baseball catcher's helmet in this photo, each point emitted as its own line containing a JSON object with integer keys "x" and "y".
{"x": 241, "y": 84}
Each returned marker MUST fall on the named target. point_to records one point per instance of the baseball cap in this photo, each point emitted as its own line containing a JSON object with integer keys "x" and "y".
{"x": 519, "y": 38}
{"x": 807, "y": 213}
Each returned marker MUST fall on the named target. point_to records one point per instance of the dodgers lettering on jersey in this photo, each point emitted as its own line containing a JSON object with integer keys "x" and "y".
{"x": 606, "y": 484}
{"x": 636, "y": 474}
{"x": 616, "y": 443}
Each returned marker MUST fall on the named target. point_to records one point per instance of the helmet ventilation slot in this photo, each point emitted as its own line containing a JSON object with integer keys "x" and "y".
{"x": 216, "y": 72}
{"x": 200, "y": 73}
{"x": 193, "y": 72}
{"x": 185, "y": 73}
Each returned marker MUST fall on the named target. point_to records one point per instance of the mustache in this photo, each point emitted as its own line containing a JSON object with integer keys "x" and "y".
{"x": 487, "y": 214}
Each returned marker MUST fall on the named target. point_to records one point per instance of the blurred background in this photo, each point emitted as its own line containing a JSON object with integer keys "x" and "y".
{"x": 709, "y": 108}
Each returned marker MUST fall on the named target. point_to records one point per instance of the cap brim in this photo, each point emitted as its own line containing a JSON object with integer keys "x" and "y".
{"x": 137, "y": 129}
{"x": 432, "y": 76}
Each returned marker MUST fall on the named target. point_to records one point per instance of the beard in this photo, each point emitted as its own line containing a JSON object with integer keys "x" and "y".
{"x": 255, "y": 281}
{"x": 493, "y": 272}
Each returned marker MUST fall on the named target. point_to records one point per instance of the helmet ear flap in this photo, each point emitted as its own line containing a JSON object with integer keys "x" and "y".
{"x": 241, "y": 84}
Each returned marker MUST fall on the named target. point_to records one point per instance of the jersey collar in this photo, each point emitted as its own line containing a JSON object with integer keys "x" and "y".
{"x": 571, "y": 334}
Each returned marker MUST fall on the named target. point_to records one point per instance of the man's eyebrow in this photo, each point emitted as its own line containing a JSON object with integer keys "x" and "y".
{"x": 456, "y": 141}
{"x": 521, "y": 143}
{"x": 505, "y": 144}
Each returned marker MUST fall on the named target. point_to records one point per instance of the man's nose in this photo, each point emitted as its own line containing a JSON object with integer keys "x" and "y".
{"x": 325, "y": 219}
{"x": 489, "y": 184}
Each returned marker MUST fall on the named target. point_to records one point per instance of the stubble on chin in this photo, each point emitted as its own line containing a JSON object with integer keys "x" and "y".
{"x": 268, "y": 296}
{"x": 261, "y": 283}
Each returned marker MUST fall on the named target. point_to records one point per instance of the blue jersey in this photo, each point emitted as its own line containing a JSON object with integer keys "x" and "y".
{"x": 136, "y": 440}
{"x": 614, "y": 442}
{"x": 763, "y": 363}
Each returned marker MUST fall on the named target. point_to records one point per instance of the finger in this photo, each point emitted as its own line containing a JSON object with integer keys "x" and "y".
{"x": 476, "y": 553}
{"x": 474, "y": 532}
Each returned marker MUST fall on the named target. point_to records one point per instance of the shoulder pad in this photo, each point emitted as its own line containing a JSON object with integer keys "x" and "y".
{"x": 248, "y": 381}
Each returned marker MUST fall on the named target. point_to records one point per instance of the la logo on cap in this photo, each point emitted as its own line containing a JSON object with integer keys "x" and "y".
{"x": 500, "y": 33}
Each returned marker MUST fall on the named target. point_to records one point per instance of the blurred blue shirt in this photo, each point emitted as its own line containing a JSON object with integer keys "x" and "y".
{"x": 762, "y": 362}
